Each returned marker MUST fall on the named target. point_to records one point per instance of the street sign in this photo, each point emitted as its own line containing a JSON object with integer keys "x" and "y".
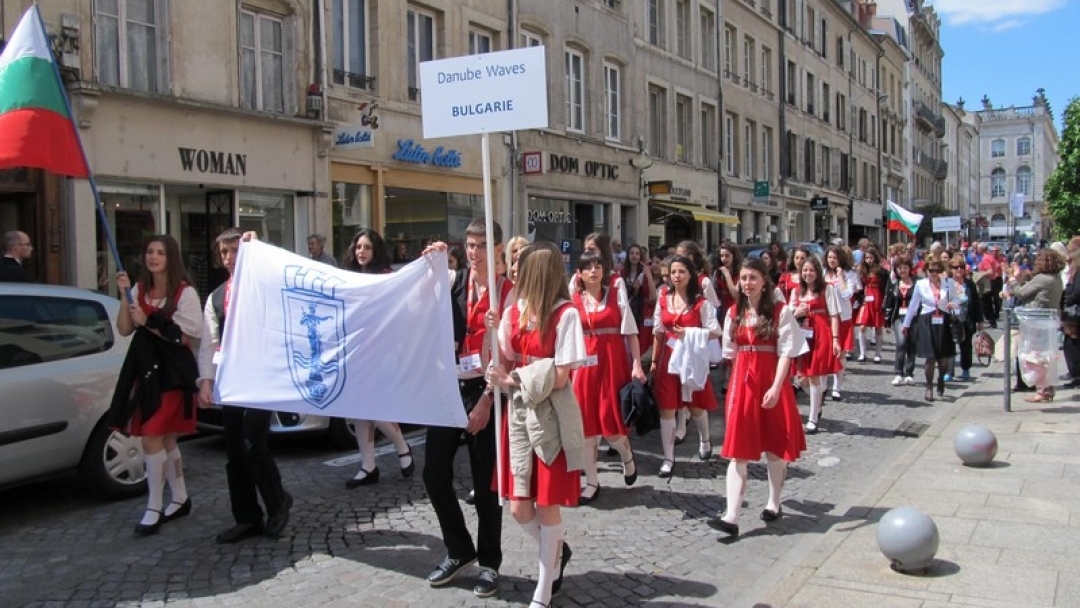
{"x": 484, "y": 93}
{"x": 819, "y": 203}
{"x": 761, "y": 190}
{"x": 949, "y": 223}
{"x": 564, "y": 246}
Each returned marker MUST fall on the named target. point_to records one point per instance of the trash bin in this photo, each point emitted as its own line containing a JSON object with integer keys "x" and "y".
{"x": 1038, "y": 347}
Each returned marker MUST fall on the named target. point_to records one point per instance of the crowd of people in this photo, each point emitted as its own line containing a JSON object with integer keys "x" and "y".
{"x": 762, "y": 329}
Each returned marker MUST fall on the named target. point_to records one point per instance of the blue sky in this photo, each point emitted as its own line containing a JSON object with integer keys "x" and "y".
{"x": 1009, "y": 48}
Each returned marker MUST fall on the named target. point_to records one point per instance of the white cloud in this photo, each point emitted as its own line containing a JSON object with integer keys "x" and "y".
{"x": 998, "y": 14}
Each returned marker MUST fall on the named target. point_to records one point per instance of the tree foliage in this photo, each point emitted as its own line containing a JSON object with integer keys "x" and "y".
{"x": 926, "y": 229}
{"x": 1063, "y": 187}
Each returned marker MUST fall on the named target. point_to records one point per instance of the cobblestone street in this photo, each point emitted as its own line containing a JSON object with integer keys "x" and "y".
{"x": 373, "y": 546}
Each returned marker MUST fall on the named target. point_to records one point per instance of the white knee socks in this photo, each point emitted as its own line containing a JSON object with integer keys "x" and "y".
{"x": 550, "y": 539}
{"x": 681, "y": 415}
{"x": 736, "y": 486}
{"x": 591, "y": 445}
{"x": 877, "y": 344}
{"x": 777, "y": 473}
{"x": 701, "y": 421}
{"x": 817, "y": 392}
{"x": 861, "y": 332}
{"x": 174, "y": 474}
{"x": 155, "y": 485}
{"x": 532, "y": 528}
{"x": 667, "y": 437}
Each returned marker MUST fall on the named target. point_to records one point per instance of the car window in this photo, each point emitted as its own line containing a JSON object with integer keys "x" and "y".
{"x": 36, "y": 329}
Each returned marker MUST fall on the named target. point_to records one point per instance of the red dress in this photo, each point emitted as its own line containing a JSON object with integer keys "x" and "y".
{"x": 169, "y": 417}
{"x": 847, "y": 326}
{"x": 750, "y": 428}
{"x": 872, "y": 313}
{"x": 789, "y": 282}
{"x": 597, "y": 386}
{"x": 817, "y": 327}
{"x": 667, "y": 389}
{"x": 551, "y": 484}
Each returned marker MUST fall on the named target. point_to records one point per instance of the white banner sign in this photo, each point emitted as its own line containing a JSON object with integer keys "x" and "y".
{"x": 1016, "y": 204}
{"x": 484, "y": 93}
{"x": 949, "y": 223}
{"x": 301, "y": 336}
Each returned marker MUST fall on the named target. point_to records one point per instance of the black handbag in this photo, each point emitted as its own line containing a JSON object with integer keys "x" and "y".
{"x": 639, "y": 409}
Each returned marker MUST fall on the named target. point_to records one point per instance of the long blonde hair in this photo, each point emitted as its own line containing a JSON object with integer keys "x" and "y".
{"x": 541, "y": 283}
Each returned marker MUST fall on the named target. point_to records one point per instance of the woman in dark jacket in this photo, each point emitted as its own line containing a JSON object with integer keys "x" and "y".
{"x": 971, "y": 314}
{"x": 897, "y": 299}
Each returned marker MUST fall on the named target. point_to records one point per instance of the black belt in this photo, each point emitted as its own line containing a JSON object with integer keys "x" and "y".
{"x": 472, "y": 383}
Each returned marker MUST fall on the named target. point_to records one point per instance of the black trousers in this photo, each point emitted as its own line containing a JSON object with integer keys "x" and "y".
{"x": 250, "y": 470}
{"x": 1072, "y": 356}
{"x": 441, "y": 447}
{"x": 991, "y": 300}
{"x": 965, "y": 347}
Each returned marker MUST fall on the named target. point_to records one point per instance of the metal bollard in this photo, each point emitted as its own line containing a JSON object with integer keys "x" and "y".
{"x": 1006, "y": 310}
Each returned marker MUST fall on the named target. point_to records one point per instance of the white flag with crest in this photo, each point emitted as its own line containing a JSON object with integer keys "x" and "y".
{"x": 301, "y": 336}
{"x": 1016, "y": 205}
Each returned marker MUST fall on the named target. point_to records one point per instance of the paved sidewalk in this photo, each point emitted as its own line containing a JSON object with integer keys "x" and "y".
{"x": 1009, "y": 533}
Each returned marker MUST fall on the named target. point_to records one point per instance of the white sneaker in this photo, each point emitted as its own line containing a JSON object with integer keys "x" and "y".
{"x": 909, "y": 381}
{"x": 861, "y": 359}
{"x": 877, "y": 359}
{"x": 897, "y": 381}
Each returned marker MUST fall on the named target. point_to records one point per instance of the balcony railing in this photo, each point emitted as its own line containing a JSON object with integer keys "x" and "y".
{"x": 356, "y": 81}
{"x": 930, "y": 119}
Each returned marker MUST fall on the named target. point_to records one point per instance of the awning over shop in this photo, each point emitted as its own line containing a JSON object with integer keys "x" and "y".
{"x": 699, "y": 213}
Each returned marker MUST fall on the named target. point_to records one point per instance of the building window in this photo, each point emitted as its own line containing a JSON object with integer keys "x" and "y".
{"x": 729, "y": 144}
{"x": 823, "y": 40}
{"x": 421, "y": 46}
{"x": 612, "y": 101}
{"x": 575, "y": 91}
{"x": 997, "y": 148}
{"x": 479, "y": 42}
{"x": 350, "y": 43}
{"x": 841, "y": 112}
{"x": 682, "y": 29}
{"x": 729, "y": 51}
{"x": 826, "y": 166}
{"x": 997, "y": 183}
{"x": 657, "y": 121}
{"x": 826, "y": 95}
{"x": 262, "y": 62}
{"x": 767, "y": 153}
{"x": 1023, "y": 180}
{"x": 708, "y": 135}
{"x": 529, "y": 39}
{"x": 708, "y": 39}
{"x": 811, "y": 93}
{"x": 862, "y": 125}
{"x": 654, "y": 19}
{"x": 1023, "y": 146}
{"x": 766, "y": 71}
{"x": 791, "y": 164}
{"x": 130, "y": 49}
{"x": 749, "y": 156}
{"x": 792, "y": 84}
{"x": 748, "y": 63}
{"x": 683, "y": 122}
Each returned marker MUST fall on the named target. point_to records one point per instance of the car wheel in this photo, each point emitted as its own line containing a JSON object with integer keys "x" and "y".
{"x": 113, "y": 464}
{"x": 341, "y": 434}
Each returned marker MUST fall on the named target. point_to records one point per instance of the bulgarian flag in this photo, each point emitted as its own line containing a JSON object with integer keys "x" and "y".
{"x": 903, "y": 220}
{"x": 36, "y": 129}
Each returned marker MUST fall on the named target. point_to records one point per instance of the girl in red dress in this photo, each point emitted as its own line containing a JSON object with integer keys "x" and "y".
{"x": 762, "y": 337}
{"x": 166, "y": 310}
{"x": 370, "y": 255}
{"x": 641, "y": 290}
{"x": 541, "y": 324}
{"x": 725, "y": 279}
{"x": 681, "y": 307}
{"x": 690, "y": 249}
{"x": 815, "y": 305}
{"x": 875, "y": 280}
{"x": 839, "y": 275}
{"x": 609, "y": 327}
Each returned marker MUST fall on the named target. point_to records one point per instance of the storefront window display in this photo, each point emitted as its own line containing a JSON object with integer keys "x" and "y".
{"x": 272, "y": 216}
{"x": 414, "y": 218}
{"x": 134, "y": 212}
{"x": 352, "y": 211}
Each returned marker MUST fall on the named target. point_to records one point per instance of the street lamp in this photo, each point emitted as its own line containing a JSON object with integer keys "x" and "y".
{"x": 641, "y": 162}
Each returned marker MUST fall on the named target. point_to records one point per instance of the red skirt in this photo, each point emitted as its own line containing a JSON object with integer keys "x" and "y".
{"x": 752, "y": 429}
{"x": 667, "y": 389}
{"x": 847, "y": 336}
{"x": 168, "y": 419}
{"x": 820, "y": 361}
{"x": 550, "y": 484}
{"x": 597, "y": 386}
{"x": 871, "y": 314}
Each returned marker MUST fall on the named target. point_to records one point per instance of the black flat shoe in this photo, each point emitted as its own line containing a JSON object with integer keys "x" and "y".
{"x": 183, "y": 511}
{"x": 407, "y": 472}
{"x": 238, "y": 533}
{"x": 717, "y": 523}
{"x": 770, "y": 515}
{"x": 584, "y": 500}
{"x": 275, "y": 524}
{"x": 665, "y": 469}
{"x": 631, "y": 478}
{"x": 369, "y": 478}
{"x": 142, "y": 529}
{"x": 565, "y": 559}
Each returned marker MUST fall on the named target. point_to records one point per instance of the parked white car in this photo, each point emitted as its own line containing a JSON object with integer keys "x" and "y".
{"x": 60, "y": 355}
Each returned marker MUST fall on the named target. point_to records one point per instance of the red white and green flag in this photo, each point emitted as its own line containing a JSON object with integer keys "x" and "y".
{"x": 903, "y": 220}
{"x": 36, "y": 129}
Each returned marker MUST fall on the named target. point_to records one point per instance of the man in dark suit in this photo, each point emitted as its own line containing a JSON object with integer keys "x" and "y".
{"x": 17, "y": 248}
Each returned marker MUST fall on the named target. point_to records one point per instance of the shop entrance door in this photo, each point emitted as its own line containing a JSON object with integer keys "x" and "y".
{"x": 195, "y": 218}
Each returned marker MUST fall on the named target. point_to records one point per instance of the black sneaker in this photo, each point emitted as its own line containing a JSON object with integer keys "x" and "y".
{"x": 487, "y": 584}
{"x": 447, "y": 570}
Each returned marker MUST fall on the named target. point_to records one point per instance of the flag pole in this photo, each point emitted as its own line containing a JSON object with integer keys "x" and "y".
{"x": 110, "y": 239}
{"x": 493, "y": 298}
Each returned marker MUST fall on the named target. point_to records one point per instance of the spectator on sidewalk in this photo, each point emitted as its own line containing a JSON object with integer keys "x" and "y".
{"x": 17, "y": 250}
{"x": 316, "y": 246}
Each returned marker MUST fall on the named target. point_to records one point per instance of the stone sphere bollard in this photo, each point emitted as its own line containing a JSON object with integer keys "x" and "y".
{"x": 908, "y": 538}
{"x": 976, "y": 445}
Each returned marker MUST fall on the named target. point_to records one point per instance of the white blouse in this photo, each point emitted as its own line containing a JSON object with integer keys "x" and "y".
{"x": 709, "y": 291}
{"x": 789, "y": 343}
{"x": 188, "y": 315}
{"x": 708, "y": 316}
{"x": 853, "y": 284}
{"x": 628, "y": 325}
{"x": 569, "y": 338}
{"x": 924, "y": 300}
{"x": 832, "y": 300}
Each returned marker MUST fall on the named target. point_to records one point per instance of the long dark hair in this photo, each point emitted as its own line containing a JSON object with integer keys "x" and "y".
{"x": 766, "y": 324}
{"x": 380, "y": 261}
{"x": 865, "y": 268}
{"x": 819, "y": 283}
{"x": 175, "y": 272}
{"x": 587, "y": 259}
{"x": 626, "y": 271}
{"x": 693, "y": 288}
{"x": 603, "y": 244}
{"x": 696, "y": 255}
